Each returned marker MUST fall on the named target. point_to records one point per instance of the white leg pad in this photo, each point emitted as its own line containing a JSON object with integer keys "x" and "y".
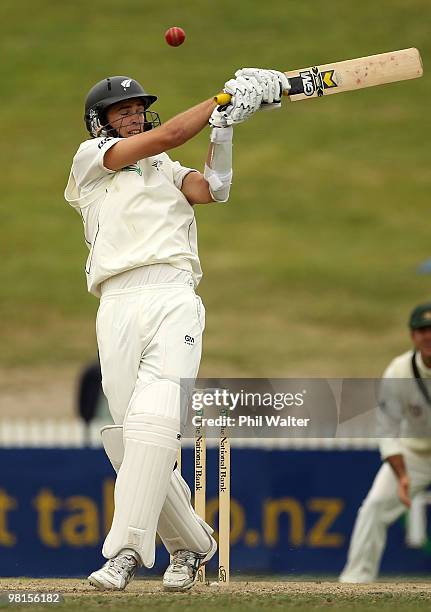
{"x": 179, "y": 527}
{"x": 151, "y": 444}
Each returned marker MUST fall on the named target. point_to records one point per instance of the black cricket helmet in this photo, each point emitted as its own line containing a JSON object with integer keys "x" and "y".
{"x": 109, "y": 91}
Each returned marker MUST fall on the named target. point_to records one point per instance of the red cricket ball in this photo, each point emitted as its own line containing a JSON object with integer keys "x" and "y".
{"x": 175, "y": 36}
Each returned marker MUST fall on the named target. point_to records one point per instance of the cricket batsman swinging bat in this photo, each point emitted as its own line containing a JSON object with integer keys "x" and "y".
{"x": 318, "y": 81}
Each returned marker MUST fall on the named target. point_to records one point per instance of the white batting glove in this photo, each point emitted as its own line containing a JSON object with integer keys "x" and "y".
{"x": 246, "y": 100}
{"x": 273, "y": 84}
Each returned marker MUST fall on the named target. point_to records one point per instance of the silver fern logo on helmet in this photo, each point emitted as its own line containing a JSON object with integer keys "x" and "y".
{"x": 126, "y": 83}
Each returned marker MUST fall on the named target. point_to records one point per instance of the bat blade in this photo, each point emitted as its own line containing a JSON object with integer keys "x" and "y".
{"x": 348, "y": 75}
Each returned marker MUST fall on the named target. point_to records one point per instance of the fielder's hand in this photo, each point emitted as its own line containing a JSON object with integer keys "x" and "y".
{"x": 403, "y": 491}
{"x": 245, "y": 101}
{"x": 272, "y": 82}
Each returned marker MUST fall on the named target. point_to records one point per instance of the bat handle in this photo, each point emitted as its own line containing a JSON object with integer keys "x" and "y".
{"x": 222, "y": 98}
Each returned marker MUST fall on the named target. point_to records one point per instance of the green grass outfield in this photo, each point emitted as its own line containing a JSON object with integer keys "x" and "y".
{"x": 312, "y": 595}
{"x": 311, "y": 267}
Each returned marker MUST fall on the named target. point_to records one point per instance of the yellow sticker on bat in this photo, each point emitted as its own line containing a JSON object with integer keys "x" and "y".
{"x": 328, "y": 79}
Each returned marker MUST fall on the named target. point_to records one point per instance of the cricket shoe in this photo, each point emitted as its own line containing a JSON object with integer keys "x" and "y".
{"x": 182, "y": 572}
{"x": 116, "y": 574}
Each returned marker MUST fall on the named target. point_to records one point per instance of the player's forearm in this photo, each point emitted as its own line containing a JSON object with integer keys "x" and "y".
{"x": 184, "y": 126}
{"x": 171, "y": 134}
{"x": 398, "y": 465}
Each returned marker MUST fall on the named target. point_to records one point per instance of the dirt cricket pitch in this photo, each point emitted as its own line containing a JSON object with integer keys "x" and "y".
{"x": 240, "y": 595}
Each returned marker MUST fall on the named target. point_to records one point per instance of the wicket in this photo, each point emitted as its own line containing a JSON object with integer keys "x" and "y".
{"x": 200, "y": 447}
{"x": 224, "y": 505}
{"x": 200, "y": 481}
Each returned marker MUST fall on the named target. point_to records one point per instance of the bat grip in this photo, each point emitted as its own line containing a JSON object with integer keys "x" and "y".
{"x": 222, "y": 98}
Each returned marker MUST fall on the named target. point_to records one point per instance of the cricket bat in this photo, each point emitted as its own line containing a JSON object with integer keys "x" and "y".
{"x": 348, "y": 75}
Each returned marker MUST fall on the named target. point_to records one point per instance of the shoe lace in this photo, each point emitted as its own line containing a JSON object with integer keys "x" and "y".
{"x": 123, "y": 563}
{"x": 185, "y": 557}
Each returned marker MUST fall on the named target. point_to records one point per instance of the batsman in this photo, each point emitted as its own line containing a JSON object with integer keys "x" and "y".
{"x": 136, "y": 205}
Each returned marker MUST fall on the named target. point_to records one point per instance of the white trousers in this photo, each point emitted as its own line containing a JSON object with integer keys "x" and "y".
{"x": 147, "y": 332}
{"x": 378, "y": 511}
{"x": 150, "y": 338}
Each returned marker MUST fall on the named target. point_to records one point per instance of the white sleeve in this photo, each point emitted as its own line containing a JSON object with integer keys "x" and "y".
{"x": 389, "y": 447}
{"x": 88, "y": 165}
{"x": 179, "y": 173}
{"x": 390, "y": 413}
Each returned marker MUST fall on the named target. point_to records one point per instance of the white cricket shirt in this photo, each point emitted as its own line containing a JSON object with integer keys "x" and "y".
{"x": 132, "y": 217}
{"x": 404, "y": 416}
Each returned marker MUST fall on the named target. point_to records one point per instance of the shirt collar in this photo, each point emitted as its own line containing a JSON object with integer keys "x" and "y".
{"x": 422, "y": 367}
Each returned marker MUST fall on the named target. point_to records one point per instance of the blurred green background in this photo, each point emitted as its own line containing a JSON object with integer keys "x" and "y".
{"x": 311, "y": 267}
